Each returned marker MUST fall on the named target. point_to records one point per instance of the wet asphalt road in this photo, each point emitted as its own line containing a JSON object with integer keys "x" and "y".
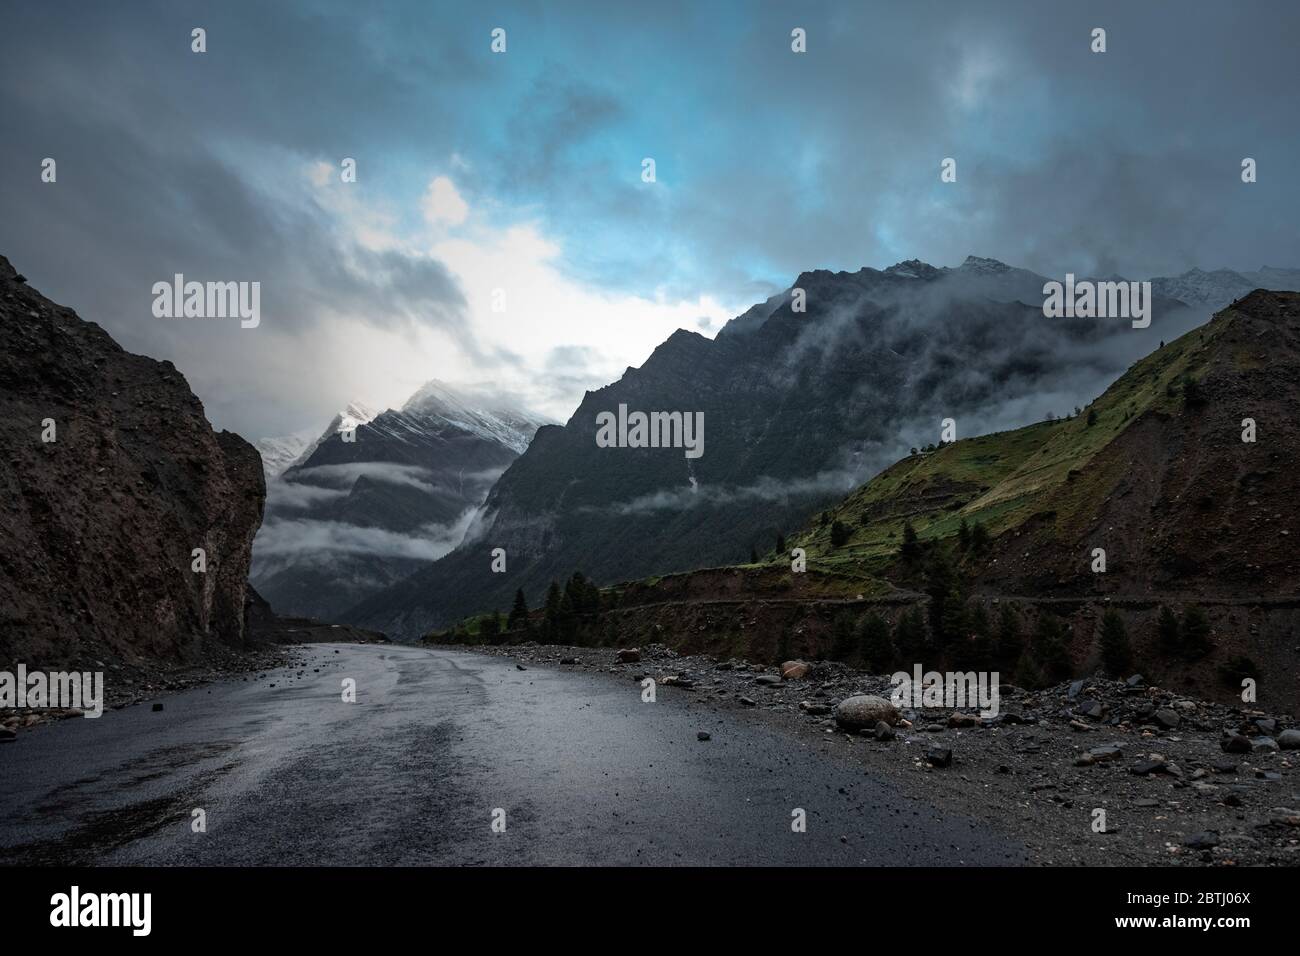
{"x": 412, "y": 772}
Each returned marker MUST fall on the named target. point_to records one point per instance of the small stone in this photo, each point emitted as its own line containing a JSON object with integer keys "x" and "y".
{"x": 629, "y": 655}
{"x": 1110, "y": 752}
{"x": 1282, "y": 816}
{"x": 883, "y": 731}
{"x": 1166, "y": 718}
{"x": 1137, "y": 680}
{"x": 158, "y": 707}
{"x": 1224, "y": 765}
{"x": 1236, "y": 744}
{"x": 1205, "y": 840}
{"x": 794, "y": 670}
{"x": 1090, "y": 708}
{"x": 938, "y": 756}
{"x": 1263, "y": 745}
{"x": 519, "y": 667}
{"x": 957, "y": 719}
{"x": 703, "y": 735}
{"x": 1148, "y": 766}
{"x": 748, "y": 702}
{"x": 1289, "y": 739}
{"x": 767, "y": 680}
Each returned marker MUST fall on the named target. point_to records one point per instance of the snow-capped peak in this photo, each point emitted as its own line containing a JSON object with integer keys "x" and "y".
{"x": 477, "y": 412}
{"x": 281, "y": 453}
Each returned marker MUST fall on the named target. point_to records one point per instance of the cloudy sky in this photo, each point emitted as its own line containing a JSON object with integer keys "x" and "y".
{"x": 522, "y": 171}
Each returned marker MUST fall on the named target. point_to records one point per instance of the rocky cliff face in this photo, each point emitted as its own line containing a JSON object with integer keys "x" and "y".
{"x": 110, "y": 477}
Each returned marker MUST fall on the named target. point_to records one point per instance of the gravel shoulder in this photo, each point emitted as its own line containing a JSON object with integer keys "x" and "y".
{"x": 1182, "y": 782}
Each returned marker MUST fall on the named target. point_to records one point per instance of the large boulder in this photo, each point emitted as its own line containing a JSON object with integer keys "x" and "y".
{"x": 865, "y": 710}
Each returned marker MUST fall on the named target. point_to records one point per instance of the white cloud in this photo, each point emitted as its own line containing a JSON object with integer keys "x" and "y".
{"x": 545, "y": 309}
{"x": 442, "y": 203}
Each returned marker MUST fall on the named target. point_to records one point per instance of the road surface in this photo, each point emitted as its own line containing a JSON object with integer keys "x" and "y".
{"x": 411, "y": 774}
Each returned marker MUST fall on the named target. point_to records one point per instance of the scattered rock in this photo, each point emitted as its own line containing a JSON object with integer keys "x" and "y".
{"x": 883, "y": 731}
{"x": 1289, "y": 739}
{"x": 1149, "y": 765}
{"x": 1236, "y": 744}
{"x": 938, "y": 756}
{"x": 629, "y": 655}
{"x": 703, "y": 735}
{"x": 1205, "y": 840}
{"x": 865, "y": 710}
{"x": 1167, "y": 718}
{"x": 158, "y": 707}
{"x": 767, "y": 680}
{"x": 794, "y": 670}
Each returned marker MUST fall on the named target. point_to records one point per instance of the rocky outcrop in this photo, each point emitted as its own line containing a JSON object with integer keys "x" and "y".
{"x": 110, "y": 478}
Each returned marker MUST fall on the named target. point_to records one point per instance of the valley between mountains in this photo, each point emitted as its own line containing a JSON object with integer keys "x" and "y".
{"x": 1111, "y": 529}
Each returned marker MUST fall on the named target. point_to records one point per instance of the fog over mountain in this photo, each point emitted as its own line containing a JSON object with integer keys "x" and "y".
{"x": 799, "y": 407}
{"x": 377, "y": 495}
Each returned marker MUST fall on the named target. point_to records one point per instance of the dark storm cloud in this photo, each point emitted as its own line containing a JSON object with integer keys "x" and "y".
{"x": 769, "y": 163}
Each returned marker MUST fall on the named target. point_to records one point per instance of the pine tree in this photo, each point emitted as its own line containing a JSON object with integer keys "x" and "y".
{"x": 1010, "y": 641}
{"x": 873, "y": 639}
{"x": 518, "y": 612}
{"x": 979, "y": 539}
{"x": 947, "y": 614}
{"x": 1116, "y": 653}
{"x": 1049, "y": 648}
{"x": 839, "y": 534}
{"x": 963, "y": 535}
{"x": 909, "y": 635}
{"x": 910, "y": 550}
{"x": 551, "y": 616}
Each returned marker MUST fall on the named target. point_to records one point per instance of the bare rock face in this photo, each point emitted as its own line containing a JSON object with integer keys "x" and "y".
{"x": 98, "y": 526}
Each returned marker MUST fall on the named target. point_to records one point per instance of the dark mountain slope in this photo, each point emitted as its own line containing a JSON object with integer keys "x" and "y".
{"x": 355, "y": 517}
{"x": 798, "y": 408}
{"x": 98, "y": 525}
